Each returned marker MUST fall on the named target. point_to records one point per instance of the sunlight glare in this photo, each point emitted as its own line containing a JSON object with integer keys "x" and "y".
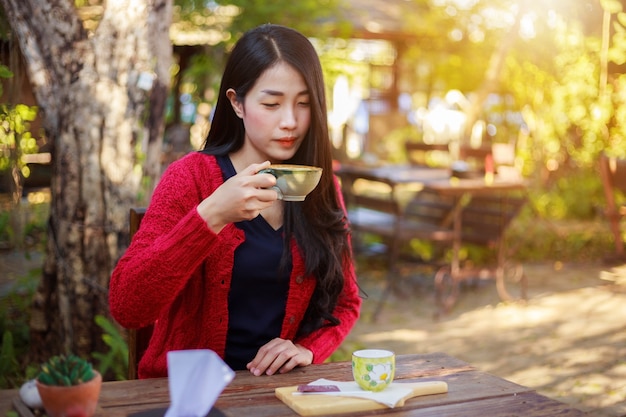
{"x": 498, "y": 18}
{"x": 456, "y": 35}
{"x": 527, "y": 26}
{"x": 477, "y": 35}
{"x": 553, "y": 19}
{"x": 451, "y": 11}
{"x": 403, "y": 335}
{"x": 458, "y": 4}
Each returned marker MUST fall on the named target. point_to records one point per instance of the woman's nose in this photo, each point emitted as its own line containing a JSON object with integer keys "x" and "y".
{"x": 288, "y": 119}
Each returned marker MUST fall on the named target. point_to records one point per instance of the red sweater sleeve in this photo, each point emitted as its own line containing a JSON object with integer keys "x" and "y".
{"x": 173, "y": 241}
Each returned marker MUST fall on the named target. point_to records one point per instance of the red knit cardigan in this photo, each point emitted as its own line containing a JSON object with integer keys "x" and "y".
{"x": 177, "y": 273}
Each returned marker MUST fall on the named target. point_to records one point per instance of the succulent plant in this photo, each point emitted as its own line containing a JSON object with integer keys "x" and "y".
{"x": 64, "y": 370}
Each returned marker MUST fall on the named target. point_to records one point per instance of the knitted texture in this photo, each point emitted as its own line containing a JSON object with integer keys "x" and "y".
{"x": 177, "y": 273}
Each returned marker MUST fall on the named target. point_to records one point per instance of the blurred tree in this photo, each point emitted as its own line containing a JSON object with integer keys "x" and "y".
{"x": 230, "y": 18}
{"x": 208, "y": 30}
{"x": 574, "y": 47}
{"x": 101, "y": 88}
{"x": 569, "y": 82}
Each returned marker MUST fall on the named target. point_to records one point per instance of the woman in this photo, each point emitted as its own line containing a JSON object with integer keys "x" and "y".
{"x": 219, "y": 262}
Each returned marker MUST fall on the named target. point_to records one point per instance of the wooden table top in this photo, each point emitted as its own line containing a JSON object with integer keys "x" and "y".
{"x": 394, "y": 174}
{"x": 470, "y": 392}
{"x": 455, "y": 186}
{"x": 436, "y": 179}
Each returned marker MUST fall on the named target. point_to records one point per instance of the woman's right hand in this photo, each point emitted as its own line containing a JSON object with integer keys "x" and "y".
{"x": 241, "y": 197}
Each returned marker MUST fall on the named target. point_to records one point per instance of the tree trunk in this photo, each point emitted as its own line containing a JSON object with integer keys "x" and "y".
{"x": 103, "y": 98}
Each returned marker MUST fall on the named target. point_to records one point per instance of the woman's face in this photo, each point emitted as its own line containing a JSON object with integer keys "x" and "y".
{"x": 276, "y": 114}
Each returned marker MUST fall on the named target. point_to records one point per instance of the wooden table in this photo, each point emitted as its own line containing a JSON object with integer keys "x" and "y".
{"x": 393, "y": 174}
{"x": 470, "y": 392}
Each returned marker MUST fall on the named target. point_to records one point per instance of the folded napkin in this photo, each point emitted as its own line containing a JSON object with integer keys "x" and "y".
{"x": 390, "y": 396}
{"x": 196, "y": 379}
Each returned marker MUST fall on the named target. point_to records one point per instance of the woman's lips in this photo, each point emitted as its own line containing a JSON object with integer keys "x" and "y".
{"x": 286, "y": 142}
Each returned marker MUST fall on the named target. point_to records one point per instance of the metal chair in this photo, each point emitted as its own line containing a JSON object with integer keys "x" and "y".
{"x": 138, "y": 339}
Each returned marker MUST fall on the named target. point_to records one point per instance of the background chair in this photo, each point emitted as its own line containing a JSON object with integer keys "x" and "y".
{"x": 426, "y": 217}
{"x": 425, "y": 154}
{"x": 484, "y": 223}
{"x": 439, "y": 155}
{"x": 475, "y": 157}
{"x": 138, "y": 339}
{"x": 613, "y": 175}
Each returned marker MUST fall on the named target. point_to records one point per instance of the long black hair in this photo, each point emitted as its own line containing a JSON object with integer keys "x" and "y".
{"x": 317, "y": 224}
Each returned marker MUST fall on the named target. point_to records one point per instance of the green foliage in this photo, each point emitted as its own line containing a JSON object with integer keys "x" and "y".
{"x": 15, "y": 137}
{"x": 14, "y": 327}
{"x": 62, "y": 370}
{"x": 572, "y": 113}
{"x": 536, "y": 239}
{"x": 8, "y": 359}
{"x": 5, "y": 72}
{"x": 393, "y": 145}
{"x": 574, "y": 196}
{"x": 116, "y": 359}
{"x": 306, "y": 16}
{"x": 14, "y": 316}
{"x": 6, "y": 231}
{"x": 227, "y": 21}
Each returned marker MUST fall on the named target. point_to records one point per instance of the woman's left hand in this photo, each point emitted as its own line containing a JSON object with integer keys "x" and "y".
{"x": 281, "y": 356}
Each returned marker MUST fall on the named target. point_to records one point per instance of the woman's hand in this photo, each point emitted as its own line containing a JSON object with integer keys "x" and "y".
{"x": 281, "y": 356}
{"x": 241, "y": 197}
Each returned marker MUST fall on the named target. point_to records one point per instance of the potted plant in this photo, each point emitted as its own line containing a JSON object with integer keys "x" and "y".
{"x": 69, "y": 387}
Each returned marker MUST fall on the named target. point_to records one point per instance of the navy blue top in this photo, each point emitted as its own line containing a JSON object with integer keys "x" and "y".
{"x": 258, "y": 292}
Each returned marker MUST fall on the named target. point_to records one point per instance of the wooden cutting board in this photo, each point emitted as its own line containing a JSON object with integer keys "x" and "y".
{"x": 319, "y": 405}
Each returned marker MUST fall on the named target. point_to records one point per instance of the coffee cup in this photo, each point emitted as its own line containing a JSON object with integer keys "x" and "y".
{"x": 373, "y": 369}
{"x": 294, "y": 182}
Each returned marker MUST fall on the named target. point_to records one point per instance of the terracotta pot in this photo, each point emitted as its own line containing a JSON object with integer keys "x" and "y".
{"x": 75, "y": 401}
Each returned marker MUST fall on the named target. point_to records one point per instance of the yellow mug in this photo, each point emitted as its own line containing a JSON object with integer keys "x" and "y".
{"x": 373, "y": 369}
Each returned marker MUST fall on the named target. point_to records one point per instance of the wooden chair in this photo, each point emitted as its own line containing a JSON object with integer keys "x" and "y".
{"x": 438, "y": 155}
{"x": 138, "y": 339}
{"x": 475, "y": 157}
{"x": 427, "y": 154}
{"x": 484, "y": 223}
{"x": 613, "y": 175}
{"x": 426, "y": 217}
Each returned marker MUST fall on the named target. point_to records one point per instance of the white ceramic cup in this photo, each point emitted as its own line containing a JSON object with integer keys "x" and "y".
{"x": 294, "y": 182}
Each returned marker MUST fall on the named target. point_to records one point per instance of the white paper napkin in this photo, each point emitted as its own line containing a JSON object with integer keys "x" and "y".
{"x": 390, "y": 396}
{"x": 196, "y": 379}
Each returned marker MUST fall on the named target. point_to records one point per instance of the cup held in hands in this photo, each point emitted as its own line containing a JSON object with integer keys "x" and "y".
{"x": 294, "y": 182}
{"x": 373, "y": 369}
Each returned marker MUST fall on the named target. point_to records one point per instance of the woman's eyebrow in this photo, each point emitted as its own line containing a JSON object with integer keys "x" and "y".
{"x": 281, "y": 93}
